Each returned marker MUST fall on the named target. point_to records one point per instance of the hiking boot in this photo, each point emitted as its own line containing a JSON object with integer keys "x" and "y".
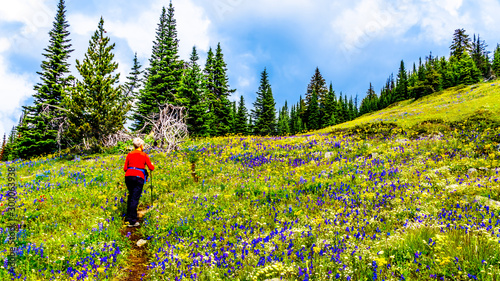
{"x": 136, "y": 224}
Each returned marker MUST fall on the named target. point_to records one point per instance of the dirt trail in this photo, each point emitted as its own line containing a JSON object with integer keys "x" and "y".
{"x": 138, "y": 258}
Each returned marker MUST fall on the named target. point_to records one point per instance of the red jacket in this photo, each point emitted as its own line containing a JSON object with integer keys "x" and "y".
{"x": 137, "y": 159}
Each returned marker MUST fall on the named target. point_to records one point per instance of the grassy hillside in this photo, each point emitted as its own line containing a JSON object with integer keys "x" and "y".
{"x": 452, "y": 105}
{"x": 409, "y": 200}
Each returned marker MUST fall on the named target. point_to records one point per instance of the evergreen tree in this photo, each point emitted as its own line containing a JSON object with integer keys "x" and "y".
{"x": 369, "y": 103}
{"x": 266, "y": 124}
{"x": 191, "y": 96}
{"x": 232, "y": 118}
{"x": 461, "y": 43}
{"x": 256, "y": 112}
{"x": 97, "y": 104}
{"x": 468, "y": 71}
{"x": 401, "y": 91}
{"x": 284, "y": 121}
{"x": 134, "y": 80}
{"x": 313, "y": 114}
{"x": 241, "y": 122}
{"x": 496, "y": 61}
{"x": 480, "y": 55}
{"x": 329, "y": 108}
{"x": 218, "y": 91}
{"x": 302, "y": 113}
{"x": 37, "y": 135}
{"x": 164, "y": 75}
{"x": 133, "y": 84}
{"x": 318, "y": 85}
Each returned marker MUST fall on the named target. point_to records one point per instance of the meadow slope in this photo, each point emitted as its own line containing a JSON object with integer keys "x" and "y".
{"x": 412, "y": 198}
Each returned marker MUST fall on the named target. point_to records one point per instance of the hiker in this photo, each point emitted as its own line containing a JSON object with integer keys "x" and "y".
{"x": 135, "y": 177}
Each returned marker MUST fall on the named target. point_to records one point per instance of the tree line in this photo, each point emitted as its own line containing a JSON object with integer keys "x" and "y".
{"x": 96, "y": 105}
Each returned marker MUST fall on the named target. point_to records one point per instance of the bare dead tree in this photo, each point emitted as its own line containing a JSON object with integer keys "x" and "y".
{"x": 169, "y": 128}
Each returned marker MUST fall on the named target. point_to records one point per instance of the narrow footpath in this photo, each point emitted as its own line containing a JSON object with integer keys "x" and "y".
{"x": 137, "y": 260}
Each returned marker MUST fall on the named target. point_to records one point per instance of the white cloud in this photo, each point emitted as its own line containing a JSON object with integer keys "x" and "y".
{"x": 32, "y": 20}
{"x": 16, "y": 88}
{"x": 370, "y": 19}
{"x": 139, "y": 30}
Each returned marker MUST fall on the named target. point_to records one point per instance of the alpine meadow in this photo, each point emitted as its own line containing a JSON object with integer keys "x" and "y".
{"x": 403, "y": 184}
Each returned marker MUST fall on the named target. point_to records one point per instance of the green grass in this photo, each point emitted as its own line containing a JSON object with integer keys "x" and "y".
{"x": 391, "y": 200}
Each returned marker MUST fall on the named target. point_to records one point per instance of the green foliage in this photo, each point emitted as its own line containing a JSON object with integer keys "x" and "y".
{"x": 264, "y": 108}
{"x": 191, "y": 95}
{"x": 96, "y": 105}
{"x": 164, "y": 74}
{"x": 496, "y": 61}
{"x": 241, "y": 120}
{"x": 461, "y": 43}
{"x": 313, "y": 113}
{"x": 218, "y": 92}
{"x": 37, "y": 135}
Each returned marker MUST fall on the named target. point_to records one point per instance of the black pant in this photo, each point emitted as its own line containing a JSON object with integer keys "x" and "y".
{"x": 134, "y": 186}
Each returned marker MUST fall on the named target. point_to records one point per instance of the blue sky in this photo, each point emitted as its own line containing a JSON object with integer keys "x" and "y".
{"x": 352, "y": 42}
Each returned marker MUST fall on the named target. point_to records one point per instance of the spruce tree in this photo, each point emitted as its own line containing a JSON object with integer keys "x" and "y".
{"x": 329, "y": 107}
{"x": 134, "y": 80}
{"x": 313, "y": 114}
{"x": 256, "y": 112}
{"x": 217, "y": 86}
{"x": 241, "y": 122}
{"x": 468, "y": 71}
{"x": 461, "y": 43}
{"x": 164, "y": 74}
{"x": 266, "y": 124}
{"x": 97, "y": 103}
{"x": 401, "y": 91}
{"x": 133, "y": 85}
{"x": 232, "y": 118}
{"x": 37, "y": 135}
{"x": 369, "y": 103}
{"x": 480, "y": 56}
{"x": 283, "y": 121}
{"x": 191, "y": 96}
{"x": 496, "y": 61}
{"x": 318, "y": 85}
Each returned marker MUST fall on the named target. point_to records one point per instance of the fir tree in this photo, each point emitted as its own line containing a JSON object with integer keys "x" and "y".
{"x": 232, "y": 118}
{"x": 496, "y": 61}
{"x": 256, "y": 112}
{"x": 164, "y": 75}
{"x": 401, "y": 91}
{"x": 480, "y": 55}
{"x": 191, "y": 95}
{"x": 133, "y": 84}
{"x": 468, "y": 71}
{"x": 219, "y": 91}
{"x": 318, "y": 85}
{"x": 329, "y": 108}
{"x": 313, "y": 114}
{"x": 97, "y": 103}
{"x": 369, "y": 103}
{"x": 37, "y": 135}
{"x": 266, "y": 124}
{"x": 134, "y": 80}
{"x": 461, "y": 43}
{"x": 283, "y": 121}
{"x": 241, "y": 122}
